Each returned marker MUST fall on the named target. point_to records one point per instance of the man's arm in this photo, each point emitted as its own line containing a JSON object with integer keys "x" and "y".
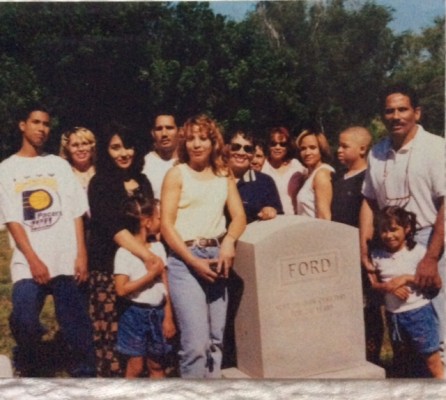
{"x": 39, "y": 270}
{"x": 427, "y": 274}
{"x": 368, "y": 207}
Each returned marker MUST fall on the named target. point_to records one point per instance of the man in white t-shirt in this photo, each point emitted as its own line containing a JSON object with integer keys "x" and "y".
{"x": 406, "y": 169}
{"x": 161, "y": 159}
{"x": 42, "y": 203}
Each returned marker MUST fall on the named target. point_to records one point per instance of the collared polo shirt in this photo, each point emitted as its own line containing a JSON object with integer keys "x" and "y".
{"x": 412, "y": 177}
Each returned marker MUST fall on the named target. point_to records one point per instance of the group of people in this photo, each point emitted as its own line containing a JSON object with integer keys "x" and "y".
{"x": 137, "y": 249}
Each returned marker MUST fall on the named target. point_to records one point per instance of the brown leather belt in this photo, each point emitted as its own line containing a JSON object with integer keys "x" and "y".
{"x": 203, "y": 242}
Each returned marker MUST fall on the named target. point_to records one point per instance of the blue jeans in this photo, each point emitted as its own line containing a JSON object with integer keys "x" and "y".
{"x": 200, "y": 309}
{"x": 438, "y": 302}
{"x": 70, "y": 303}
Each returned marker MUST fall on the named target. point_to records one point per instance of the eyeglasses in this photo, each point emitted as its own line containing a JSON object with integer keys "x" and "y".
{"x": 247, "y": 147}
{"x": 274, "y": 144}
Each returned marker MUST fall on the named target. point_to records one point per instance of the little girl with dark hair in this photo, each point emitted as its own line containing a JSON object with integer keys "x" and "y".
{"x": 147, "y": 322}
{"x": 411, "y": 317}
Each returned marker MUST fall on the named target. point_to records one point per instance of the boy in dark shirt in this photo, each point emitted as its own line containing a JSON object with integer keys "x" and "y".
{"x": 354, "y": 144}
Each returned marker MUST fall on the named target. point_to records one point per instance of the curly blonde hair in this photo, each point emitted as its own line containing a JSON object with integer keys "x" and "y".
{"x": 212, "y": 130}
{"x": 82, "y": 133}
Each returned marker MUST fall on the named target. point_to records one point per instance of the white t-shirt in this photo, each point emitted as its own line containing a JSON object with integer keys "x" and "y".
{"x": 128, "y": 264}
{"x": 155, "y": 168}
{"x": 391, "y": 265}
{"x": 415, "y": 170}
{"x": 306, "y": 198}
{"x": 44, "y": 196}
{"x": 284, "y": 182}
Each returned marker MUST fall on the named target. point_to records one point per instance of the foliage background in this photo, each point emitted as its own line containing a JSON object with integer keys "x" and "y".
{"x": 297, "y": 63}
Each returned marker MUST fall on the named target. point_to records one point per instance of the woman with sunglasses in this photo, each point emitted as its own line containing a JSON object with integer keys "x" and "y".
{"x": 261, "y": 201}
{"x": 315, "y": 196}
{"x": 286, "y": 171}
{"x": 193, "y": 199}
{"x": 258, "y": 191}
{"x": 118, "y": 177}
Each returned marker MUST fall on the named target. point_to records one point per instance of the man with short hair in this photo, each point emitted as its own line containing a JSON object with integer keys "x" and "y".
{"x": 42, "y": 204}
{"x": 161, "y": 159}
{"x": 407, "y": 169}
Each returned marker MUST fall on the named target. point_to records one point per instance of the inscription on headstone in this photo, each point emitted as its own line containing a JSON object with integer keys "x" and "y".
{"x": 315, "y": 266}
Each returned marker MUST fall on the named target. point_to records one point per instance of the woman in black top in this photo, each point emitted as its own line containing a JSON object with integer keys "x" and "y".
{"x": 118, "y": 177}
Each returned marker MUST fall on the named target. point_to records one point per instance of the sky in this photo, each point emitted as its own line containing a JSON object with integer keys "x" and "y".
{"x": 411, "y": 15}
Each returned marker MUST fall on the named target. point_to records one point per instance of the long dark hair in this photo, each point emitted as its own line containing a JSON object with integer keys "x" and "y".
{"x": 105, "y": 165}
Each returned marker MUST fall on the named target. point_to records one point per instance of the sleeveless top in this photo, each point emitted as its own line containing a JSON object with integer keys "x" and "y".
{"x": 286, "y": 182}
{"x": 201, "y": 207}
{"x": 306, "y": 199}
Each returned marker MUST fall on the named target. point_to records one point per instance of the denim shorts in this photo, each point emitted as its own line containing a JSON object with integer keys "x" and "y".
{"x": 140, "y": 333}
{"x": 419, "y": 327}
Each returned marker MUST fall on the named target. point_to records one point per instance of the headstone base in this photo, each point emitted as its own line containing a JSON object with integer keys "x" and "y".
{"x": 364, "y": 371}
{"x": 5, "y": 367}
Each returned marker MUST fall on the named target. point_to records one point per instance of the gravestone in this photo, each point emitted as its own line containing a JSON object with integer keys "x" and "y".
{"x": 5, "y": 367}
{"x": 301, "y": 312}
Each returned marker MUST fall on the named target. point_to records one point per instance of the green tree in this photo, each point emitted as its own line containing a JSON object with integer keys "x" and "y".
{"x": 296, "y": 63}
{"x": 18, "y": 86}
{"x": 342, "y": 55}
{"x": 422, "y": 65}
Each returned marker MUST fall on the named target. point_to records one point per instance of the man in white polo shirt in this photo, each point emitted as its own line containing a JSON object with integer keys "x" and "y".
{"x": 406, "y": 169}
{"x": 161, "y": 159}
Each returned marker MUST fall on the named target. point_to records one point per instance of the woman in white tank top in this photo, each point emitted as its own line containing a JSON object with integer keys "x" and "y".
{"x": 286, "y": 171}
{"x": 315, "y": 196}
{"x": 193, "y": 198}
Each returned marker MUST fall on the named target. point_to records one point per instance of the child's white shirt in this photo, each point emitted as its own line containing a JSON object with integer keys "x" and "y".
{"x": 128, "y": 264}
{"x": 391, "y": 265}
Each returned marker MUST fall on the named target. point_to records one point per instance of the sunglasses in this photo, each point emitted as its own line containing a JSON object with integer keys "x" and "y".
{"x": 247, "y": 147}
{"x": 274, "y": 144}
